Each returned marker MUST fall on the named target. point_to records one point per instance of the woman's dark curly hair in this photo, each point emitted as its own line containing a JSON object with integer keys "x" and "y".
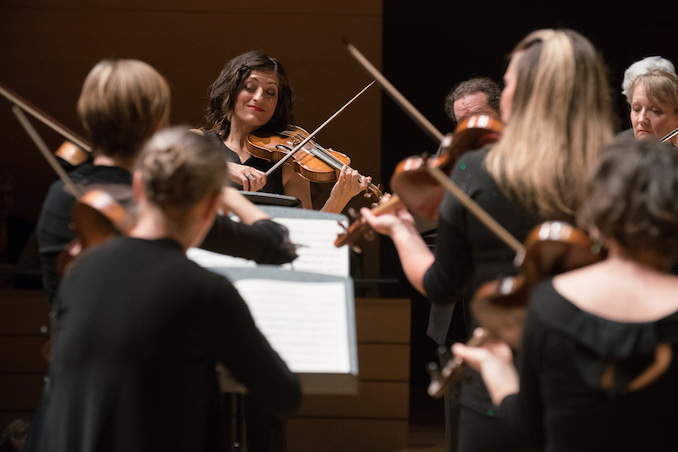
{"x": 224, "y": 91}
{"x": 632, "y": 196}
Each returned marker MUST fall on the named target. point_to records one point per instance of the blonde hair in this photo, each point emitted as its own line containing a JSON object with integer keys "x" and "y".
{"x": 179, "y": 168}
{"x": 561, "y": 117}
{"x": 122, "y": 103}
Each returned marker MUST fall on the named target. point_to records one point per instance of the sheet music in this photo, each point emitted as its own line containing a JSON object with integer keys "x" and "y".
{"x": 316, "y": 251}
{"x": 305, "y": 323}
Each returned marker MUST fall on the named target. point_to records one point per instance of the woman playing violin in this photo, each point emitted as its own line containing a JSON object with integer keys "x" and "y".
{"x": 253, "y": 92}
{"x": 557, "y": 108}
{"x": 598, "y": 359}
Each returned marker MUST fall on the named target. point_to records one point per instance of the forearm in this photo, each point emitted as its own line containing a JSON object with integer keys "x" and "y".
{"x": 335, "y": 204}
{"x": 415, "y": 256}
{"x": 234, "y": 202}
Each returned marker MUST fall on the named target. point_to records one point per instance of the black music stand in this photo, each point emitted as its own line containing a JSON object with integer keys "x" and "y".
{"x": 271, "y": 199}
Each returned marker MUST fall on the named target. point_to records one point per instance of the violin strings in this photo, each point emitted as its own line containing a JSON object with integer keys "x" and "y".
{"x": 318, "y": 151}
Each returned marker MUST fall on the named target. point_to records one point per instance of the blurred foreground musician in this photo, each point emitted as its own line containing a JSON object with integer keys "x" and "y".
{"x": 598, "y": 364}
{"x": 536, "y": 172}
{"x": 139, "y": 328}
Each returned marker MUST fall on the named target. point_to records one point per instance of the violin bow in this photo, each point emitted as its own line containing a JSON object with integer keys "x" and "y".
{"x": 43, "y": 117}
{"x": 669, "y": 136}
{"x": 315, "y": 132}
{"x": 437, "y": 136}
{"x": 44, "y": 150}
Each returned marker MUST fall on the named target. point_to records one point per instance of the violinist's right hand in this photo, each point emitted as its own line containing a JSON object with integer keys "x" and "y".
{"x": 250, "y": 178}
{"x": 494, "y": 360}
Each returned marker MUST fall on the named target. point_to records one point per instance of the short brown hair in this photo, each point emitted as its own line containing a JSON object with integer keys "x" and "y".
{"x": 632, "y": 196}
{"x": 484, "y": 85}
{"x": 122, "y": 103}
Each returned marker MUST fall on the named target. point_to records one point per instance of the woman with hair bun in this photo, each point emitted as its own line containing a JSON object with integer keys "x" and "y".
{"x": 139, "y": 328}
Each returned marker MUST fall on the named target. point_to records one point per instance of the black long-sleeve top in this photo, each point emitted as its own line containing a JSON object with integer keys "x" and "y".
{"x": 469, "y": 254}
{"x": 562, "y": 405}
{"x": 138, "y": 329}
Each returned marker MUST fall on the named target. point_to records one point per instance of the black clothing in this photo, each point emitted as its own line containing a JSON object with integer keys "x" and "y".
{"x": 138, "y": 330}
{"x": 467, "y": 255}
{"x": 54, "y": 225}
{"x": 274, "y": 182}
{"x": 265, "y": 242}
{"x": 564, "y": 353}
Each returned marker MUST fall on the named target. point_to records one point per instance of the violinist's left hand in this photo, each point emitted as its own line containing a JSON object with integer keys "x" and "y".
{"x": 349, "y": 184}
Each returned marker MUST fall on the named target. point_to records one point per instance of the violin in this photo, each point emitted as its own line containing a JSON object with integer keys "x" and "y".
{"x": 412, "y": 179}
{"x": 96, "y": 217}
{"x": 551, "y": 248}
{"x": 72, "y": 154}
{"x": 311, "y": 161}
{"x": 413, "y": 183}
{"x": 499, "y": 306}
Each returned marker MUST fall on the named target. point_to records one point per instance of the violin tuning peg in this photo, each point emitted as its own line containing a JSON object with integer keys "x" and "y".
{"x": 344, "y": 228}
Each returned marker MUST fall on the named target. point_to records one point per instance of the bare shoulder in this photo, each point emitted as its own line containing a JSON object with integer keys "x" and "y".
{"x": 623, "y": 293}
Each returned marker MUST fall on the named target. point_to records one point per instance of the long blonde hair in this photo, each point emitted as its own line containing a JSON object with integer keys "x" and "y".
{"x": 561, "y": 117}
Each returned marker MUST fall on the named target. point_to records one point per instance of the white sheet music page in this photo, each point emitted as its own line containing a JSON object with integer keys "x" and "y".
{"x": 305, "y": 323}
{"x": 316, "y": 251}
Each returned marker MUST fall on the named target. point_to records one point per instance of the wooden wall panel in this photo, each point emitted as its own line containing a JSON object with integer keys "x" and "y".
{"x": 384, "y": 362}
{"x": 382, "y": 400}
{"x": 342, "y": 435}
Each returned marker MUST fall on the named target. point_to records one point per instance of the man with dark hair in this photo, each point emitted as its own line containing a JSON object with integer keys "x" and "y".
{"x": 476, "y": 96}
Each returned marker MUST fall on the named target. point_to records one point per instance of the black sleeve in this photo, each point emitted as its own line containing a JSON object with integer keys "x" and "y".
{"x": 451, "y": 274}
{"x": 524, "y": 412}
{"x": 254, "y": 363}
{"x": 265, "y": 242}
{"x": 53, "y": 233}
